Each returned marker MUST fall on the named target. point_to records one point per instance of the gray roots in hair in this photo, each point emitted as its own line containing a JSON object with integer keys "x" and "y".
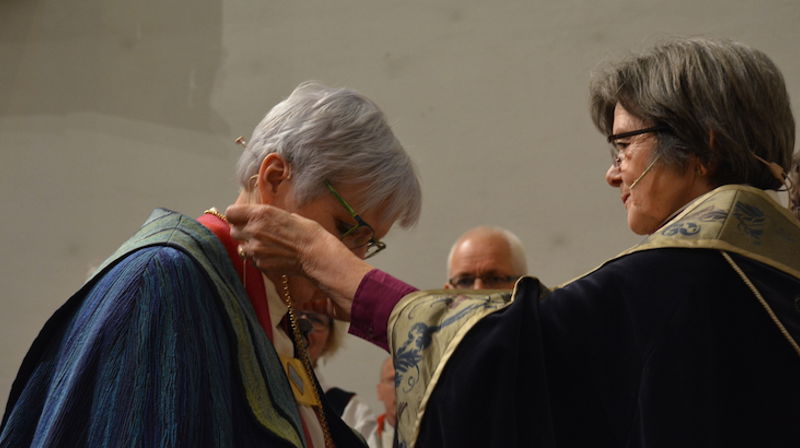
{"x": 721, "y": 101}
{"x": 338, "y": 135}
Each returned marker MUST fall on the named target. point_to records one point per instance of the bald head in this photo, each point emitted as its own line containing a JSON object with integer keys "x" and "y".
{"x": 486, "y": 258}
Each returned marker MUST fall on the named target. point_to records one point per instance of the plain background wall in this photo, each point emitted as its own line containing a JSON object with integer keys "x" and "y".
{"x": 109, "y": 108}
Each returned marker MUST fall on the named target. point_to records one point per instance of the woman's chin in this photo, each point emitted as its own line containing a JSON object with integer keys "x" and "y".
{"x": 641, "y": 227}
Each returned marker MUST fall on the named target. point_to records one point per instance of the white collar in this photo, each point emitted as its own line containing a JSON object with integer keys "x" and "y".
{"x": 275, "y": 306}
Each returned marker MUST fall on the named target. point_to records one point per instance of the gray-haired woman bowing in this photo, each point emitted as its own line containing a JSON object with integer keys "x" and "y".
{"x": 179, "y": 340}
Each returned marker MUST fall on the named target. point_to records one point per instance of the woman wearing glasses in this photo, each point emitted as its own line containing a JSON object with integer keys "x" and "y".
{"x": 687, "y": 339}
{"x": 179, "y": 340}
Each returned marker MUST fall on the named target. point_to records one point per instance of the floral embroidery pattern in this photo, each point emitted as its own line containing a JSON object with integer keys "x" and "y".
{"x": 426, "y": 328}
{"x": 689, "y": 225}
{"x": 419, "y": 337}
{"x": 751, "y": 220}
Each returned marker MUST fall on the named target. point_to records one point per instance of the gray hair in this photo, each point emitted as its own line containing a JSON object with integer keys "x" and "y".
{"x": 338, "y": 135}
{"x": 518, "y": 260}
{"x": 721, "y": 101}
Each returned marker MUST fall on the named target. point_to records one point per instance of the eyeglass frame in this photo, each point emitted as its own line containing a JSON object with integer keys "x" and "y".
{"x": 615, "y": 151}
{"x": 498, "y": 279}
{"x": 317, "y": 324}
{"x": 359, "y": 220}
{"x": 378, "y": 244}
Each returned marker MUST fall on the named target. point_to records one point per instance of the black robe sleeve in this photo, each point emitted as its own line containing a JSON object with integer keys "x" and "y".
{"x": 493, "y": 392}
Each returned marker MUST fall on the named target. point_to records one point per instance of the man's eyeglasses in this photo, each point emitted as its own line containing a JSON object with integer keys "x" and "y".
{"x": 618, "y": 148}
{"x": 319, "y": 322}
{"x": 490, "y": 281}
{"x": 360, "y": 234}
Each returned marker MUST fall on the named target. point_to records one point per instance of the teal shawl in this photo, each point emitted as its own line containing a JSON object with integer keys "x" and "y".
{"x": 160, "y": 347}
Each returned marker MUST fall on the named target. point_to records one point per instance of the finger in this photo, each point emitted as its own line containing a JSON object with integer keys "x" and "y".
{"x": 272, "y": 263}
{"x": 257, "y": 221}
{"x": 270, "y": 249}
{"x": 239, "y": 214}
{"x": 240, "y": 233}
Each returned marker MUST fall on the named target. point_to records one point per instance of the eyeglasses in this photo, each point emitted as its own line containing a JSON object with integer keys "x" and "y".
{"x": 490, "y": 281}
{"x": 360, "y": 234}
{"x": 618, "y": 148}
{"x": 319, "y": 322}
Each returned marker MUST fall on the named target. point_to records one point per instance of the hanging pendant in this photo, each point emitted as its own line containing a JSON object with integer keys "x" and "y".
{"x": 302, "y": 386}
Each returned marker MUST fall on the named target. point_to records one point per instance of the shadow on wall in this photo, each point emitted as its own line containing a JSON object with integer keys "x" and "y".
{"x": 145, "y": 60}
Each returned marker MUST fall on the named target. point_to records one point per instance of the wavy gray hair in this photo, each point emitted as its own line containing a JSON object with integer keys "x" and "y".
{"x": 722, "y": 101}
{"x": 338, "y": 135}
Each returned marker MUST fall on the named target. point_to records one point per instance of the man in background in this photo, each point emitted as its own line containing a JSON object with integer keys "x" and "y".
{"x": 485, "y": 258}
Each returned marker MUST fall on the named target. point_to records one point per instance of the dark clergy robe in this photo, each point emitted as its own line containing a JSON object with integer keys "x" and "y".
{"x": 688, "y": 340}
{"x": 161, "y": 348}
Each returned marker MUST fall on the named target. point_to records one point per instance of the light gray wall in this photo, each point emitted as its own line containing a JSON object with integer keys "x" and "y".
{"x": 111, "y": 108}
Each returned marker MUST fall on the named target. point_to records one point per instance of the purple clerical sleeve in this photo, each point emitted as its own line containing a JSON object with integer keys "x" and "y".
{"x": 376, "y": 296}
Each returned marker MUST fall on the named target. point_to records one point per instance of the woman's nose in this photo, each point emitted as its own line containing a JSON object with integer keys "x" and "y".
{"x": 613, "y": 176}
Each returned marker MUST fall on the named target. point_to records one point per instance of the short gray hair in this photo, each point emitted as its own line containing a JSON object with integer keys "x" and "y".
{"x": 699, "y": 88}
{"x": 341, "y": 136}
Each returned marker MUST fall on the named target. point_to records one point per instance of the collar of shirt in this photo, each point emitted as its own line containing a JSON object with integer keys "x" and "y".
{"x": 277, "y": 311}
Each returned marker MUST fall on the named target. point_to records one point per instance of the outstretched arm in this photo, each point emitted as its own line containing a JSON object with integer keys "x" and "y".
{"x": 280, "y": 241}
{"x": 277, "y": 240}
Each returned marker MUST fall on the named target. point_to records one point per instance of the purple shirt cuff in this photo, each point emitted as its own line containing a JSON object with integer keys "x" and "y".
{"x": 376, "y": 296}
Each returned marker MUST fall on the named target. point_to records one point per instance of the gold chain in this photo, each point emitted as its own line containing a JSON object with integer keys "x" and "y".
{"x": 301, "y": 343}
{"x": 299, "y": 340}
{"x": 217, "y": 213}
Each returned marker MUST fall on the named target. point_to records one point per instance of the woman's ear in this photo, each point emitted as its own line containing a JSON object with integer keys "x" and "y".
{"x": 703, "y": 174}
{"x": 708, "y": 167}
{"x": 699, "y": 168}
{"x": 272, "y": 174}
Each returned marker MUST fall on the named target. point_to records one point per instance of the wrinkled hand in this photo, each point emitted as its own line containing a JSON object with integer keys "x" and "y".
{"x": 274, "y": 239}
{"x": 278, "y": 241}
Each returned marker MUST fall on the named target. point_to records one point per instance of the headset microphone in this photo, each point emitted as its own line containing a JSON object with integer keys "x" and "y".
{"x": 646, "y": 170}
